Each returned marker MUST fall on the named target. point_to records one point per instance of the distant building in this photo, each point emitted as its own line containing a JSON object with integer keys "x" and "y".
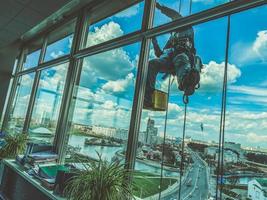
{"x": 142, "y": 137}
{"x": 211, "y": 151}
{"x": 228, "y": 154}
{"x": 121, "y": 134}
{"x": 104, "y": 131}
{"x": 257, "y": 189}
{"x": 151, "y": 132}
{"x": 235, "y": 147}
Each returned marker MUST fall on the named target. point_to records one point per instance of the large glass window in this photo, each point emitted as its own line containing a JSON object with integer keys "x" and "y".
{"x": 244, "y": 161}
{"x": 102, "y": 103}
{"x": 47, "y": 103}
{"x": 160, "y": 152}
{"x": 115, "y": 26}
{"x": 20, "y": 104}
{"x": 60, "y": 41}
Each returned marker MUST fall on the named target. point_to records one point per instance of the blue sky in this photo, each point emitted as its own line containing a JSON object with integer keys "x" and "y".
{"x": 108, "y": 79}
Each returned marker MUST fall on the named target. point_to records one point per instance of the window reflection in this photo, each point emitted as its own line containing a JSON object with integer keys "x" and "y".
{"x": 245, "y": 153}
{"x": 200, "y": 153}
{"x": 60, "y": 41}
{"x": 116, "y": 25}
{"x": 47, "y": 103}
{"x": 59, "y": 48}
{"x": 103, "y": 102}
{"x": 20, "y": 103}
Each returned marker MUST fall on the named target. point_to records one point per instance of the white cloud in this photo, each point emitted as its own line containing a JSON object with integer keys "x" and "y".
{"x": 109, "y": 105}
{"x": 212, "y": 75}
{"x": 112, "y": 66}
{"x": 104, "y": 33}
{"x": 57, "y": 54}
{"x": 255, "y": 138}
{"x": 256, "y": 51}
{"x": 120, "y": 85}
{"x": 255, "y": 91}
{"x": 130, "y": 12}
{"x": 260, "y": 44}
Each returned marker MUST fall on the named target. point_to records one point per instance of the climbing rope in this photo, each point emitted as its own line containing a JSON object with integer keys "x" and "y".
{"x": 182, "y": 150}
{"x": 164, "y": 137}
{"x": 185, "y": 101}
{"x": 223, "y": 113}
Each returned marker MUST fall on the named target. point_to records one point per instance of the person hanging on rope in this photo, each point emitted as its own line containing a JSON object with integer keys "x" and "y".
{"x": 178, "y": 58}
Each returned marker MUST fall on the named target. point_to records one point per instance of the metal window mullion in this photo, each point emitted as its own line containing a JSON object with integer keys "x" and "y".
{"x": 139, "y": 89}
{"x": 72, "y": 76}
{"x": 34, "y": 90}
{"x": 46, "y": 65}
{"x": 13, "y": 91}
{"x": 198, "y": 18}
{"x": 31, "y": 102}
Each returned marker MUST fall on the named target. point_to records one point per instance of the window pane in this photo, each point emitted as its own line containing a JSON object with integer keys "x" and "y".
{"x": 60, "y": 41}
{"x": 116, "y": 25}
{"x": 103, "y": 102}
{"x": 166, "y": 158}
{"x": 20, "y": 103}
{"x": 32, "y": 54}
{"x": 47, "y": 103}
{"x": 246, "y": 128}
{"x": 32, "y": 59}
{"x": 6, "y": 102}
{"x": 182, "y": 7}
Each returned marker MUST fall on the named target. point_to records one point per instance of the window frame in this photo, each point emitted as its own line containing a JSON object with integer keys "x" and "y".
{"x": 78, "y": 52}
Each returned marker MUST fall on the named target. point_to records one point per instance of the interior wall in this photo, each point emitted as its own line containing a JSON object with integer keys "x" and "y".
{"x": 7, "y": 59}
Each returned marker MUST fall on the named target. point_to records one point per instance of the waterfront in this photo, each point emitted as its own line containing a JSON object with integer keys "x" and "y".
{"x": 109, "y": 152}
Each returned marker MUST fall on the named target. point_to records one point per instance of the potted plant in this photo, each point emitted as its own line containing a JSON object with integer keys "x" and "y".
{"x": 14, "y": 144}
{"x": 99, "y": 180}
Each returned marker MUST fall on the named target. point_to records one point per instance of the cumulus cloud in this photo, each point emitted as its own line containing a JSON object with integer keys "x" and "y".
{"x": 120, "y": 85}
{"x": 255, "y": 51}
{"x": 54, "y": 81}
{"x": 130, "y": 12}
{"x": 104, "y": 33}
{"x": 112, "y": 66}
{"x": 57, "y": 54}
{"x": 260, "y": 44}
{"x": 212, "y": 75}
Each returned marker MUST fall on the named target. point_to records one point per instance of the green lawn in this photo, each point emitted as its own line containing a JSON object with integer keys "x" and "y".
{"x": 144, "y": 185}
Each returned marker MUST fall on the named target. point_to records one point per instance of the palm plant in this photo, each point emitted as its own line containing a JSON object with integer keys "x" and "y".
{"x": 14, "y": 144}
{"x": 101, "y": 180}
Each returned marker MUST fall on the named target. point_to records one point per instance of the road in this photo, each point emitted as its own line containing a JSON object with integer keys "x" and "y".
{"x": 198, "y": 190}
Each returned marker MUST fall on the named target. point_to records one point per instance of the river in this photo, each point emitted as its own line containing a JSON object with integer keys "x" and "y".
{"x": 108, "y": 152}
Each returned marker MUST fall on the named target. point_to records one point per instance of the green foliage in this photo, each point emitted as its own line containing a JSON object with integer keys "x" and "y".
{"x": 100, "y": 180}
{"x": 15, "y": 144}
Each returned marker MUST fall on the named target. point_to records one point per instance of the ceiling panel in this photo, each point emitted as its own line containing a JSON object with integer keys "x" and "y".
{"x": 13, "y": 8}
{"x": 44, "y": 7}
{"x": 19, "y": 16}
{"x": 29, "y": 17}
{"x": 3, "y": 21}
{"x": 17, "y": 27}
